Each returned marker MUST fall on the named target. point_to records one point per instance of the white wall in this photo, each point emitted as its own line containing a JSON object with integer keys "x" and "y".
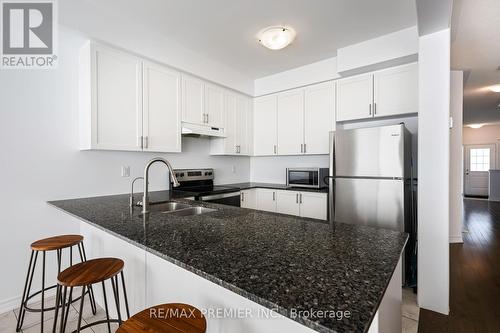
{"x": 40, "y": 161}
{"x": 433, "y": 166}
{"x": 456, "y": 160}
{"x": 484, "y": 135}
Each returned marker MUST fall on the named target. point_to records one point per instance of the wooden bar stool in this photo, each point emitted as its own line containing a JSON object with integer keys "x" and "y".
{"x": 84, "y": 275}
{"x": 58, "y": 244}
{"x": 166, "y": 318}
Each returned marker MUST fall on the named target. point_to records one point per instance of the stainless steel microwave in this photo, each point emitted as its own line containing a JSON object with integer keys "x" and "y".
{"x": 307, "y": 177}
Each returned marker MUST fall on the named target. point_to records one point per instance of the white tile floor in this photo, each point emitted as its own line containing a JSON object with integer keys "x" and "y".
{"x": 410, "y": 311}
{"x": 32, "y": 320}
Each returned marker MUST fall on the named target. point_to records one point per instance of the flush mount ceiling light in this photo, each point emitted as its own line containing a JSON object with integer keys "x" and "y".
{"x": 476, "y": 126}
{"x": 495, "y": 88}
{"x": 276, "y": 38}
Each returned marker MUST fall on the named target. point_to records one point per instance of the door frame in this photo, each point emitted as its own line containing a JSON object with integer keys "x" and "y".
{"x": 466, "y": 159}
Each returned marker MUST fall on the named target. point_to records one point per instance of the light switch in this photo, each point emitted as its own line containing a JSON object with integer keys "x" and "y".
{"x": 125, "y": 171}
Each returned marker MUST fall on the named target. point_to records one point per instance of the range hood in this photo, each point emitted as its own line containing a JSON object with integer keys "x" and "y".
{"x": 195, "y": 130}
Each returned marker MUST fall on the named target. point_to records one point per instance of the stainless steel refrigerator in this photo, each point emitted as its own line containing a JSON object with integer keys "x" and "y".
{"x": 371, "y": 180}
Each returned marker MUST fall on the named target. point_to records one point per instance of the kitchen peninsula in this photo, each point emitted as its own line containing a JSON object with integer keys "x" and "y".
{"x": 312, "y": 275}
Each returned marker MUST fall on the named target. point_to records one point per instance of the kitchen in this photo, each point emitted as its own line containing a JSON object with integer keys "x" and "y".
{"x": 123, "y": 102}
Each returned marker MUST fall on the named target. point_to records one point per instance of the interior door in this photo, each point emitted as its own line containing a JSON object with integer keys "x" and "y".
{"x": 479, "y": 159}
{"x": 162, "y": 109}
{"x": 291, "y": 122}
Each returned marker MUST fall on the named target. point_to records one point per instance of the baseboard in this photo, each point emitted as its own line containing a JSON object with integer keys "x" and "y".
{"x": 456, "y": 239}
{"x": 9, "y": 304}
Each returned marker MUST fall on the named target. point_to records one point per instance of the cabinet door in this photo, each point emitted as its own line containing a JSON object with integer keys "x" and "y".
{"x": 291, "y": 122}
{"x": 242, "y": 126}
{"x": 192, "y": 100}
{"x": 313, "y": 205}
{"x": 287, "y": 202}
{"x": 249, "y": 198}
{"x": 265, "y": 118}
{"x": 355, "y": 97}
{"x": 116, "y": 100}
{"x": 162, "y": 109}
{"x": 396, "y": 91}
{"x": 266, "y": 200}
{"x": 319, "y": 117}
{"x": 231, "y": 124}
{"x": 214, "y": 106}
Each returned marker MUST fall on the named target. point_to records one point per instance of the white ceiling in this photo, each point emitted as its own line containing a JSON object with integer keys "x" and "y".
{"x": 224, "y": 30}
{"x": 475, "y": 49}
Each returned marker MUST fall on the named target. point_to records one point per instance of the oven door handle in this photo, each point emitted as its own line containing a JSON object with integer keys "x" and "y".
{"x": 220, "y": 196}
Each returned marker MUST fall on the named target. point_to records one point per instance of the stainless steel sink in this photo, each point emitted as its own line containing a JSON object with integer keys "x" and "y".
{"x": 192, "y": 211}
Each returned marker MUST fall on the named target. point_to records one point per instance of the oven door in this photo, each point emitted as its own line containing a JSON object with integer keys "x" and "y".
{"x": 302, "y": 178}
{"x": 230, "y": 199}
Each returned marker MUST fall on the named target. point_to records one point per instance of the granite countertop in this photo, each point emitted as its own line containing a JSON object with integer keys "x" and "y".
{"x": 279, "y": 261}
{"x": 249, "y": 185}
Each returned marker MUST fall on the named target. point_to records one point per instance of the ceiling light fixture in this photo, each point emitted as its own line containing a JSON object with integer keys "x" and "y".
{"x": 276, "y": 38}
{"x": 495, "y": 88}
{"x": 475, "y": 126}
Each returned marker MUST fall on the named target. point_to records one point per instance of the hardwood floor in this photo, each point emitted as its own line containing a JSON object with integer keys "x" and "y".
{"x": 474, "y": 275}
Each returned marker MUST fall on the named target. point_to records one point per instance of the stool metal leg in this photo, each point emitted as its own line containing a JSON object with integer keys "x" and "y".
{"x": 114, "y": 284}
{"x": 56, "y": 311}
{"x": 82, "y": 300}
{"x": 106, "y": 306}
{"x": 124, "y": 294}
{"x": 83, "y": 257}
{"x": 68, "y": 306}
{"x": 43, "y": 292}
{"x": 21, "y": 308}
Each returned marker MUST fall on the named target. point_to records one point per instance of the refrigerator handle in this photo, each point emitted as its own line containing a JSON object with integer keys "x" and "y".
{"x": 331, "y": 182}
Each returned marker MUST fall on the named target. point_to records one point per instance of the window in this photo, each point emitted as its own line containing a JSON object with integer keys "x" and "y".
{"x": 480, "y": 159}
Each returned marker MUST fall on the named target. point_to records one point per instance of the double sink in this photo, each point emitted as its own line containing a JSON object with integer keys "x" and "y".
{"x": 179, "y": 209}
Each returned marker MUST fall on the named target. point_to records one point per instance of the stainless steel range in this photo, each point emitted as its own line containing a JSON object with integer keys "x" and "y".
{"x": 199, "y": 184}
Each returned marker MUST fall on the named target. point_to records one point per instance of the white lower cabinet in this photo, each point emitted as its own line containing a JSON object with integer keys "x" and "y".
{"x": 313, "y": 205}
{"x": 266, "y": 200}
{"x": 288, "y": 202}
{"x": 248, "y": 199}
{"x": 299, "y": 203}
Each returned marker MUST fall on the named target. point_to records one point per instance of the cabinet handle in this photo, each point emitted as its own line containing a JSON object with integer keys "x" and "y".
{"x": 301, "y": 147}
{"x": 141, "y": 142}
{"x": 146, "y": 141}
{"x": 296, "y": 198}
{"x": 275, "y": 149}
{"x": 239, "y": 149}
{"x": 300, "y": 200}
{"x": 374, "y": 108}
{"x": 370, "y": 112}
{"x": 242, "y": 196}
{"x": 274, "y": 196}
{"x": 207, "y": 118}
{"x": 305, "y": 148}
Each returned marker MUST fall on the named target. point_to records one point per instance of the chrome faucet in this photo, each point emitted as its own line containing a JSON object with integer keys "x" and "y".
{"x": 145, "y": 198}
{"x": 131, "y": 199}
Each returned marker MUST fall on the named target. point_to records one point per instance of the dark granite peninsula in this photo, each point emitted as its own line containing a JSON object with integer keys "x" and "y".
{"x": 325, "y": 278}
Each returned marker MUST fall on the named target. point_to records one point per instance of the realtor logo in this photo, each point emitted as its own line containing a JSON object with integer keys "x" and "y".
{"x": 28, "y": 34}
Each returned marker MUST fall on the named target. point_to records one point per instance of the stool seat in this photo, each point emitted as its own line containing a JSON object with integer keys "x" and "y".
{"x": 56, "y": 243}
{"x": 90, "y": 272}
{"x": 166, "y": 318}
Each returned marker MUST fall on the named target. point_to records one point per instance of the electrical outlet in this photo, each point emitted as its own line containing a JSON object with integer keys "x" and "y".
{"x": 125, "y": 171}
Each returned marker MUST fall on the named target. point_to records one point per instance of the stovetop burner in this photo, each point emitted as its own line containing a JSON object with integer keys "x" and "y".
{"x": 199, "y": 182}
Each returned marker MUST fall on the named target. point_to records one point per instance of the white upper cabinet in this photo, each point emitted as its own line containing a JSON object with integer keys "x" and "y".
{"x": 243, "y": 125}
{"x": 319, "y": 117}
{"x": 388, "y": 92}
{"x": 265, "y": 125}
{"x": 355, "y": 97}
{"x": 214, "y": 106}
{"x": 127, "y": 103}
{"x": 291, "y": 122}
{"x": 193, "y": 107}
{"x": 110, "y": 99}
{"x": 396, "y": 91}
{"x": 162, "y": 109}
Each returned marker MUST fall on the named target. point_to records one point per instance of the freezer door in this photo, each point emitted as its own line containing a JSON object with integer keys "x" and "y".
{"x": 373, "y": 202}
{"x": 370, "y": 152}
